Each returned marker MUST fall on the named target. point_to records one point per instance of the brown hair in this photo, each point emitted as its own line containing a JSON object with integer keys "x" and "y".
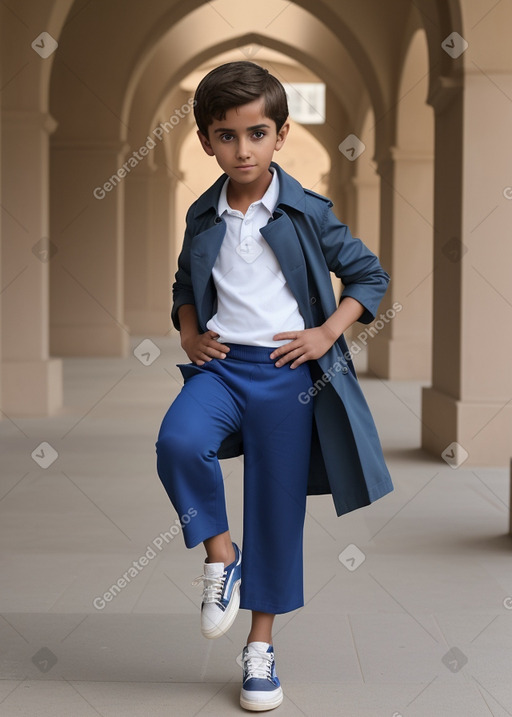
{"x": 235, "y": 84}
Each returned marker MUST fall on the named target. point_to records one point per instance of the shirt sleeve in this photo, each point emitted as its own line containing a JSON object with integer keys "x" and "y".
{"x": 350, "y": 260}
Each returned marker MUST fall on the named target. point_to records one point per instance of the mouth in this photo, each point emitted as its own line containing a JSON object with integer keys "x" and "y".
{"x": 245, "y": 166}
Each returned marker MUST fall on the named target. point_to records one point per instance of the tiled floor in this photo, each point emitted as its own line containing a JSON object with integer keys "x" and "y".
{"x": 421, "y": 628}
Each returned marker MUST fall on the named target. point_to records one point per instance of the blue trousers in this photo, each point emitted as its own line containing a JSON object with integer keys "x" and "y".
{"x": 244, "y": 392}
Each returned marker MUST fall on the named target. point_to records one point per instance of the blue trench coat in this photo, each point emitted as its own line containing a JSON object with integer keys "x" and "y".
{"x": 309, "y": 242}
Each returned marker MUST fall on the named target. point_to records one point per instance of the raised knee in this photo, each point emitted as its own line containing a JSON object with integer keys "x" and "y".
{"x": 175, "y": 445}
{"x": 169, "y": 444}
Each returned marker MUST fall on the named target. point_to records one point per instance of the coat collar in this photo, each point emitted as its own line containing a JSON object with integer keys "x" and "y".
{"x": 291, "y": 193}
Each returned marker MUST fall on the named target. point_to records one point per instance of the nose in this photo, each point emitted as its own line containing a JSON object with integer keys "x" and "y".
{"x": 243, "y": 150}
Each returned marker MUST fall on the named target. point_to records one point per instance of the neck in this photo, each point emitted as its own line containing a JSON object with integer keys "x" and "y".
{"x": 241, "y": 196}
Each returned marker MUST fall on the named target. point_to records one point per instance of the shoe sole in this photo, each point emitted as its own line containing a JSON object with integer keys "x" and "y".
{"x": 261, "y": 706}
{"x": 228, "y": 619}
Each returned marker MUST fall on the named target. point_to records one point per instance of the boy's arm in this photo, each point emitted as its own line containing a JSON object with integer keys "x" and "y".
{"x": 348, "y": 312}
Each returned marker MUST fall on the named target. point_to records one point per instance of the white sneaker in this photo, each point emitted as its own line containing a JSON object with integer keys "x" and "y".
{"x": 261, "y": 689}
{"x": 221, "y": 595}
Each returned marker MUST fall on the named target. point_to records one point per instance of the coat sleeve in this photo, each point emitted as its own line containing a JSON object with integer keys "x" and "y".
{"x": 351, "y": 261}
{"x": 182, "y": 291}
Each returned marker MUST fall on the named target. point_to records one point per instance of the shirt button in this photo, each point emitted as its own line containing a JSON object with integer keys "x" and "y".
{"x": 344, "y": 369}
{"x": 312, "y": 300}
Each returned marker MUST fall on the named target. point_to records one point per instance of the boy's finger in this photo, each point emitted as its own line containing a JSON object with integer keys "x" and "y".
{"x": 215, "y": 351}
{"x": 282, "y": 350}
{"x": 285, "y": 335}
{"x": 289, "y": 356}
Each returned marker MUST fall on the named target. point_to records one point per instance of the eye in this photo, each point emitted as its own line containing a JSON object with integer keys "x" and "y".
{"x": 259, "y": 134}
{"x": 226, "y": 137}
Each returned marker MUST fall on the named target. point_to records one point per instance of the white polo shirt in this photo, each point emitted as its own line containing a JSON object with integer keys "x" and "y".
{"x": 254, "y": 301}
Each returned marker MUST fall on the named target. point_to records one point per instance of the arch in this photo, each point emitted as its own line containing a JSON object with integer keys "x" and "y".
{"x": 413, "y": 95}
{"x": 32, "y": 93}
{"x": 346, "y": 92}
{"x": 58, "y": 17}
{"x": 115, "y": 83}
{"x": 439, "y": 19}
{"x": 333, "y": 25}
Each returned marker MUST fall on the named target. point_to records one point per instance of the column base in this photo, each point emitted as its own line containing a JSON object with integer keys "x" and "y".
{"x": 89, "y": 340}
{"x": 482, "y": 430}
{"x": 31, "y": 388}
{"x": 400, "y": 359}
{"x": 154, "y": 323}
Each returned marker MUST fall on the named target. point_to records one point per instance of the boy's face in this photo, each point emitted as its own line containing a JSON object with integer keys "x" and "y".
{"x": 244, "y": 143}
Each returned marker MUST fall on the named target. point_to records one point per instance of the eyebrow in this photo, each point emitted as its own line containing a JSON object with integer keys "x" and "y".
{"x": 253, "y": 127}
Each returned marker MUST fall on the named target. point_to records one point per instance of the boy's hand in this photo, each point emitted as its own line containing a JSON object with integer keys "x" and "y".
{"x": 304, "y": 345}
{"x": 201, "y": 348}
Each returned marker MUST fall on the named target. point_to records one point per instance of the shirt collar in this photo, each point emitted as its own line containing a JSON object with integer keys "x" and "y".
{"x": 269, "y": 199}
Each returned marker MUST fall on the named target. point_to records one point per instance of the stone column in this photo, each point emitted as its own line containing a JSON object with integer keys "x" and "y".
{"x": 401, "y": 346}
{"x": 32, "y": 382}
{"x": 467, "y": 413}
{"x": 149, "y": 267}
{"x": 1, "y": 280}
{"x": 367, "y": 210}
{"x": 87, "y": 215}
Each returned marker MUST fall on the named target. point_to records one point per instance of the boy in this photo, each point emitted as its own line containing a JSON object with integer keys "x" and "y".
{"x": 254, "y": 305}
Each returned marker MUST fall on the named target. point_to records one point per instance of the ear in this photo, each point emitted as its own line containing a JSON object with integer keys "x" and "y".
{"x": 282, "y": 135}
{"x": 205, "y": 143}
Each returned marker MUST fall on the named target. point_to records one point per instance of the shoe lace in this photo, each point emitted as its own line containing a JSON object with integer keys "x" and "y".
{"x": 212, "y": 587}
{"x": 258, "y": 664}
